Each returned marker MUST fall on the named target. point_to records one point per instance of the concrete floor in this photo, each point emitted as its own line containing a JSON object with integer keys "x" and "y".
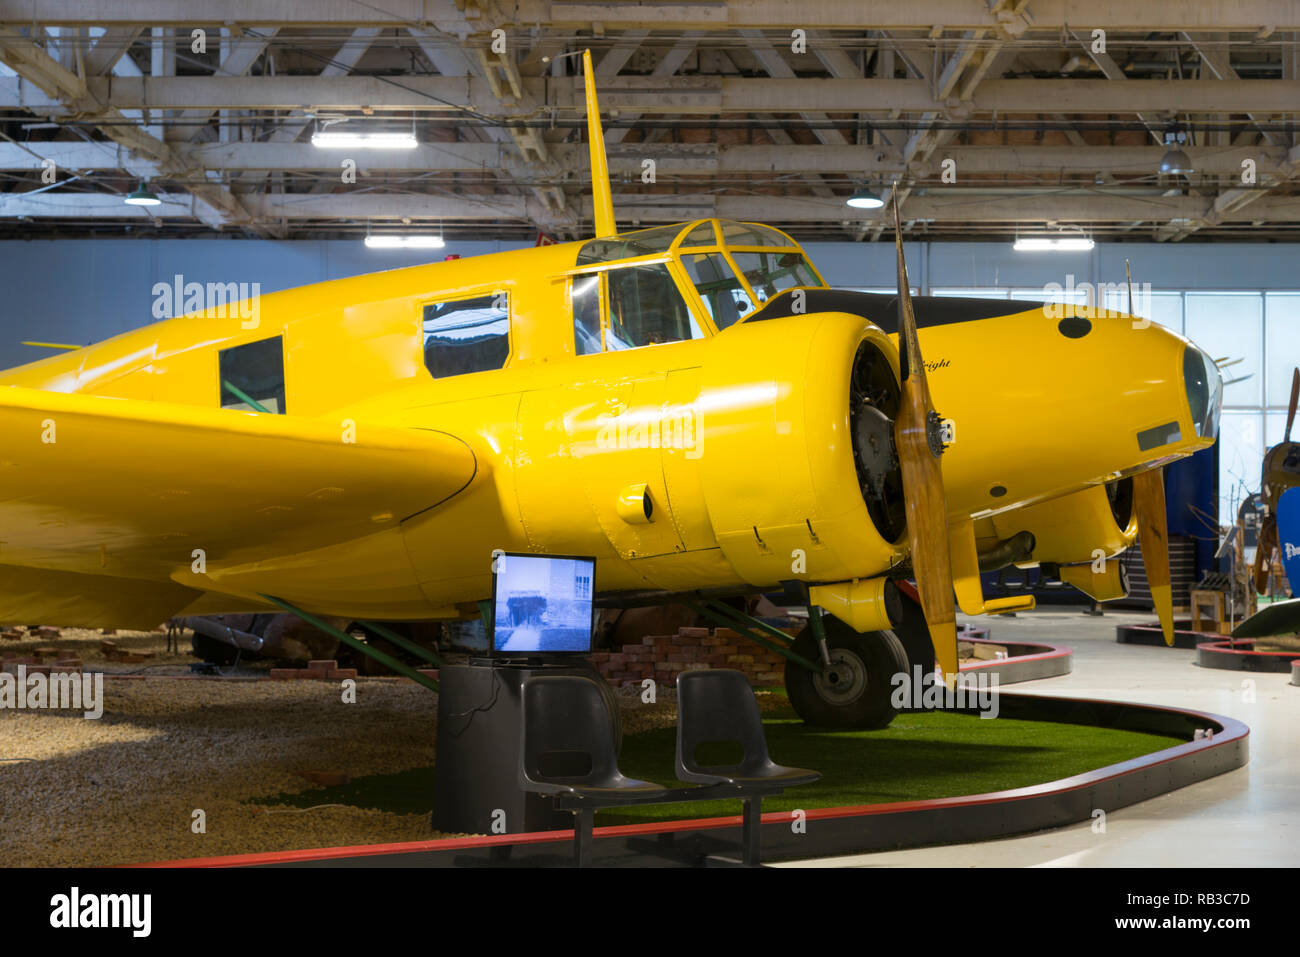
{"x": 1246, "y": 818}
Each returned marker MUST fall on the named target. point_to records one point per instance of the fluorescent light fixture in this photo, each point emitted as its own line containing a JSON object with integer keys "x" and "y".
{"x": 865, "y": 199}
{"x": 142, "y": 197}
{"x": 342, "y": 139}
{"x": 1038, "y": 244}
{"x": 404, "y": 242}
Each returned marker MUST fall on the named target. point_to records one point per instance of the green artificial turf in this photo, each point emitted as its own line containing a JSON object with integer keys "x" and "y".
{"x": 919, "y": 756}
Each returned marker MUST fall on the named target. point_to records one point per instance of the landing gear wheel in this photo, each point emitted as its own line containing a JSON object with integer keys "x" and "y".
{"x": 855, "y": 691}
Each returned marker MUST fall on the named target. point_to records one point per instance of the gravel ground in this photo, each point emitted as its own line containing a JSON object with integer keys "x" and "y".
{"x": 123, "y": 789}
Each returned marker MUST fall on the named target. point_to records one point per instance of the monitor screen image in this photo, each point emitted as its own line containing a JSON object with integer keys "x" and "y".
{"x": 542, "y": 603}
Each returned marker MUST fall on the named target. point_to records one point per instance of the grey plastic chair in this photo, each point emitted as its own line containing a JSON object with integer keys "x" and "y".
{"x": 565, "y": 717}
{"x": 719, "y": 705}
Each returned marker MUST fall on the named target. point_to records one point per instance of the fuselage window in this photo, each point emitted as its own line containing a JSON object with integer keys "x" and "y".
{"x": 467, "y": 335}
{"x": 252, "y": 376}
{"x": 585, "y": 294}
{"x": 646, "y": 307}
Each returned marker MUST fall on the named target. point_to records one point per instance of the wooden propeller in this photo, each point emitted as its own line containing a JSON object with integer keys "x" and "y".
{"x": 1295, "y": 397}
{"x": 916, "y": 435}
{"x": 1149, "y": 502}
{"x": 1267, "y": 540}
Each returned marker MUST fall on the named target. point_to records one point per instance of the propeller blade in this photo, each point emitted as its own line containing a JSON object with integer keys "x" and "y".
{"x": 1265, "y": 543}
{"x": 1149, "y": 502}
{"x": 916, "y": 435}
{"x": 1295, "y": 397}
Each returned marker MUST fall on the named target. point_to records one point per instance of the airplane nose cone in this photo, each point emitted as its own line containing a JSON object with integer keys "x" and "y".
{"x": 1204, "y": 387}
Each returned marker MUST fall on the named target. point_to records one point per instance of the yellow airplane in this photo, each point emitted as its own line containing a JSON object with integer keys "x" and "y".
{"x": 690, "y": 404}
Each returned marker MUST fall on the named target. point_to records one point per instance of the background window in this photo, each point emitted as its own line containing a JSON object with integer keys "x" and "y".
{"x": 1282, "y": 347}
{"x": 253, "y": 375}
{"x": 1241, "y": 457}
{"x": 1162, "y": 308}
{"x": 1231, "y": 326}
{"x": 467, "y": 335}
{"x": 645, "y": 307}
{"x": 969, "y": 292}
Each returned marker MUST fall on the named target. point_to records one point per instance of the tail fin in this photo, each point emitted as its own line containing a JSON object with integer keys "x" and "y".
{"x": 602, "y": 199}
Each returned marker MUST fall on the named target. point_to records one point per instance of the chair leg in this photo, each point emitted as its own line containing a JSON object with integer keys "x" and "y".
{"x": 751, "y": 831}
{"x": 583, "y": 821}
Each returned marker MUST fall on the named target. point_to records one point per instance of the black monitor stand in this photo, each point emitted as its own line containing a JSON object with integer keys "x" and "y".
{"x": 476, "y": 775}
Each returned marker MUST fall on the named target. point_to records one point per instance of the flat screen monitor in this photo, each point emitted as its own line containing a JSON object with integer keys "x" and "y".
{"x": 542, "y": 604}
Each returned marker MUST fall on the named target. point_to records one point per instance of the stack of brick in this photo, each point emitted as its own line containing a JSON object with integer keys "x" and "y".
{"x": 32, "y": 666}
{"x": 664, "y": 657}
{"x": 43, "y": 661}
{"x": 324, "y": 669}
{"x": 124, "y": 656}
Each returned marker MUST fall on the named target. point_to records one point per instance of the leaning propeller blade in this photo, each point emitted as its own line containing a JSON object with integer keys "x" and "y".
{"x": 1265, "y": 543}
{"x": 1149, "y": 502}
{"x": 1295, "y": 397}
{"x": 927, "y": 509}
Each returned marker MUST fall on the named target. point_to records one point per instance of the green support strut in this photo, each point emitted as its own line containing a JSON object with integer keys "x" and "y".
{"x": 752, "y": 629}
{"x": 400, "y": 667}
{"x": 245, "y": 398}
{"x": 819, "y": 632}
{"x": 404, "y": 643}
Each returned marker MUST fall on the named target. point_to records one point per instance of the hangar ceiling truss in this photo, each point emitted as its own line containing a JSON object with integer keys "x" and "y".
{"x": 984, "y": 117}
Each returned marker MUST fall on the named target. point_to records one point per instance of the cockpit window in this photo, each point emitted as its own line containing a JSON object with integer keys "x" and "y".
{"x": 645, "y": 307}
{"x": 723, "y": 294}
{"x": 750, "y": 234}
{"x": 769, "y": 273}
{"x": 585, "y": 295}
{"x": 701, "y": 235}
{"x": 643, "y": 242}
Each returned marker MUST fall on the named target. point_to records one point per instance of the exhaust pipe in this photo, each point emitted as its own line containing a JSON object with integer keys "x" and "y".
{"x": 212, "y": 628}
{"x": 1018, "y": 548}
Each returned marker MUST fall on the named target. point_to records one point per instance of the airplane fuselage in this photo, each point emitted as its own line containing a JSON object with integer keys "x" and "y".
{"x": 724, "y": 461}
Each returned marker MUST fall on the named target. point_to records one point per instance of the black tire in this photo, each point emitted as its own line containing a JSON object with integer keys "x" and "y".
{"x": 914, "y": 633}
{"x": 855, "y": 692}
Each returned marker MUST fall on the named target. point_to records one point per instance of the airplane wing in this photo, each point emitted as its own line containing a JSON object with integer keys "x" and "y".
{"x": 120, "y": 489}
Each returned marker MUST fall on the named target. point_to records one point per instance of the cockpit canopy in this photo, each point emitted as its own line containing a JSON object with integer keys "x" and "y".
{"x": 712, "y": 269}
